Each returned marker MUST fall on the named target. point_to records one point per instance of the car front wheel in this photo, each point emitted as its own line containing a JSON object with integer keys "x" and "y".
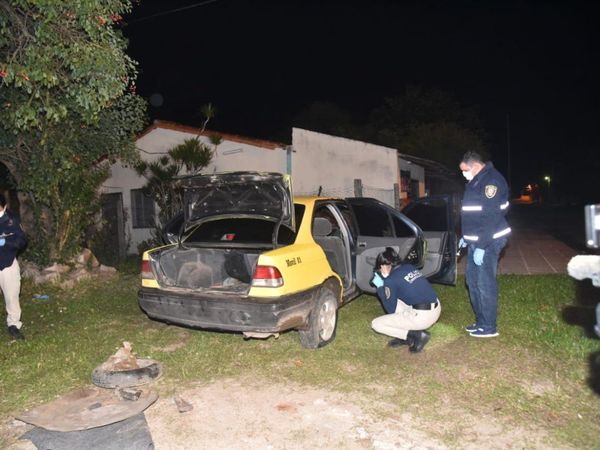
{"x": 322, "y": 321}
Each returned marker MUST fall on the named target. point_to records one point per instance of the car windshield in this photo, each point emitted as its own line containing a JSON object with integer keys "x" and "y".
{"x": 243, "y": 231}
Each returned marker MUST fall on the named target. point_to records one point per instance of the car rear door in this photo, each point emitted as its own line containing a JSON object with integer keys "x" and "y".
{"x": 380, "y": 226}
{"x": 435, "y": 216}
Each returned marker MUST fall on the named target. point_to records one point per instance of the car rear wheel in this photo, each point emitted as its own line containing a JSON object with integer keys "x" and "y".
{"x": 322, "y": 322}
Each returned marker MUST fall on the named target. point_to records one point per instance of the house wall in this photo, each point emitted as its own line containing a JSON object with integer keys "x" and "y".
{"x": 229, "y": 156}
{"x": 333, "y": 163}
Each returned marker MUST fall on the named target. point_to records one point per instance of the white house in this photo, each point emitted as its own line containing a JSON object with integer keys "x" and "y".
{"x": 135, "y": 213}
{"x": 319, "y": 164}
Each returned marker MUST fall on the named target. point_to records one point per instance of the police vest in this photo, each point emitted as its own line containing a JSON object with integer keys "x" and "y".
{"x": 484, "y": 208}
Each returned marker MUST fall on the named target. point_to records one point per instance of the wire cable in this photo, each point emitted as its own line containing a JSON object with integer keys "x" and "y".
{"x": 171, "y": 11}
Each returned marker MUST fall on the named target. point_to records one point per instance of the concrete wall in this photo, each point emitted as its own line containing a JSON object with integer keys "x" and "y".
{"x": 230, "y": 156}
{"x": 334, "y": 162}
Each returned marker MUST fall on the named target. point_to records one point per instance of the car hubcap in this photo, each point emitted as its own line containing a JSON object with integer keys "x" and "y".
{"x": 327, "y": 320}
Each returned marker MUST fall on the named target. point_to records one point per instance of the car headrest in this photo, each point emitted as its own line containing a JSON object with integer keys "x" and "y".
{"x": 321, "y": 226}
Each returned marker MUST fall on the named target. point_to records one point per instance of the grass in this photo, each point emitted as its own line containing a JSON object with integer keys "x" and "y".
{"x": 535, "y": 372}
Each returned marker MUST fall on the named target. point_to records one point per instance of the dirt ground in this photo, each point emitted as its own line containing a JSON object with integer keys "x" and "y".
{"x": 246, "y": 414}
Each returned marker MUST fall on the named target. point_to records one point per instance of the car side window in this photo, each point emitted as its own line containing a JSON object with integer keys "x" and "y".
{"x": 372, "y": 220}
{"x": 325, "y": 213}
{"x": 346, "y": 213}
{"x": 401, "y": 228}
{"x": 429, "y": 214}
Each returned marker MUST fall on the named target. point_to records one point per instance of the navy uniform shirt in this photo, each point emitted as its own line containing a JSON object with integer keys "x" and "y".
{"x": 15, "y": 239}
{"x": 406, "y": 283}
{"x": 484, "y": 206}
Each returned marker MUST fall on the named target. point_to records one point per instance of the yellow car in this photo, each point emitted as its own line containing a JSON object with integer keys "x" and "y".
{"x": 246, "y": 256}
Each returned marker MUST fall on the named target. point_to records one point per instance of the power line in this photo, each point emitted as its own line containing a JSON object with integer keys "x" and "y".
{"x": 171, "y": 11}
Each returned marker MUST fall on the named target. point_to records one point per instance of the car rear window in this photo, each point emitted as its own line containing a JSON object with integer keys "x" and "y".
{"x": 244, "y": 231}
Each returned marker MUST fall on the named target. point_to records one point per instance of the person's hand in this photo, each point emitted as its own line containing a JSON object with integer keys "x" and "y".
{"x": 2, "y": 242}
{"x": 462, "y": 243}
{"x": 377, "y": 281}
{"x": 478, "y": 256}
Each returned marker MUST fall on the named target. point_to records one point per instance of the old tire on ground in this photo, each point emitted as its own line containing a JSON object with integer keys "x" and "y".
{"x": 322, "y": 322}
{"x": 148, "y": 371}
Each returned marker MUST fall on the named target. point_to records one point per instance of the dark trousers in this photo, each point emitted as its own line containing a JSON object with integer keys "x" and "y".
{"x": 483, "y": 289}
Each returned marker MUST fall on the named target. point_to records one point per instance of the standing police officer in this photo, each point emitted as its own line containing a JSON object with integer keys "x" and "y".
{"x": 485, "y": 232}
{"x": 12, "y": 240}
{"x": 409, "y": 300}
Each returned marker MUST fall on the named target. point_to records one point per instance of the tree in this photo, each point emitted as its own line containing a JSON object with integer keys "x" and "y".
{"x": 67, "y": 108}
{"x": 427, "y": 123}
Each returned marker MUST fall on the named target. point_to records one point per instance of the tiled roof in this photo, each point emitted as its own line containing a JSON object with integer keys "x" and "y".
{"x": 226, "y": 136}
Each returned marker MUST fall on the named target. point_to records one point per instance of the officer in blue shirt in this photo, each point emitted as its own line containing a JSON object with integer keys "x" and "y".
{"x": 409, "y": 300}
{"x": 485, "y": 231}
{"x": 12, "y": 241}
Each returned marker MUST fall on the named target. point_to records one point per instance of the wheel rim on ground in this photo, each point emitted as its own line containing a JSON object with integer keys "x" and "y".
{"x": 327, "y": 316}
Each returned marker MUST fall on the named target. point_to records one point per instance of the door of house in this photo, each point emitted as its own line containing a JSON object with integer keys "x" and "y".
{"x": 113, "y": 228}
{"x": 414, "y": 189}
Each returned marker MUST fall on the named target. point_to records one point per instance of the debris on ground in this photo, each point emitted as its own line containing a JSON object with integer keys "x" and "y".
{"x": 182, "y": 405}
{"x": 128, "y": 393}
{"x": 86, "y": 408}
{"x": 123, "y": 359}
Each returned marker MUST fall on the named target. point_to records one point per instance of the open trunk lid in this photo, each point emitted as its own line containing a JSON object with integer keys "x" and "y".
{"x": 254, "y": 195}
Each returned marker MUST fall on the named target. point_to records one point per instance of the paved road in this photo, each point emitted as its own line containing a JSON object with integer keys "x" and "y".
{"x": 543, "y": 240}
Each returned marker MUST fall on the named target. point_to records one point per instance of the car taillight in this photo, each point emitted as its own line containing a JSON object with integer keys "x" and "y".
{"x": 267, "y": 276}
{"x": 147, "y": 270}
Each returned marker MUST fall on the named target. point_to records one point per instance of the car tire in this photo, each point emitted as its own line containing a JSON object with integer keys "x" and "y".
{"x": 322, "y": 322}
{"x": 148, "y": 371}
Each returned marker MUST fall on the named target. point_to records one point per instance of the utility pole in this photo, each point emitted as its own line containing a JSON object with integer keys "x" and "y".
{"x": 508, "y": 151}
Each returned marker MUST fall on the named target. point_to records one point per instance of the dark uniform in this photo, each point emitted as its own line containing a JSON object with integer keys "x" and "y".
{"x": 411, "y": 304}
{"x": 406, "y": 283}
{"x": 12, "y": 240}
{"x": 484, "y": 226}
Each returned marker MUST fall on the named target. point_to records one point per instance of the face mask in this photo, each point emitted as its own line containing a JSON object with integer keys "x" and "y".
{"x": 468, "y": 175}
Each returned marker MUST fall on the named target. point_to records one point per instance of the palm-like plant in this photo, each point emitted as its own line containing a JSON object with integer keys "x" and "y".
{"x": 187, "y": 158}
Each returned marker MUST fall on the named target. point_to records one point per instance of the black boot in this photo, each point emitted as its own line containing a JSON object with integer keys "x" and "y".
{"x": 15, "y": 333}
{"x": 397, "y": 342}
{"x": 417, "y": 340}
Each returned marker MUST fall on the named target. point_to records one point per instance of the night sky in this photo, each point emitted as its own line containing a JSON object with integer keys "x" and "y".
{"x": 260, "y": 62}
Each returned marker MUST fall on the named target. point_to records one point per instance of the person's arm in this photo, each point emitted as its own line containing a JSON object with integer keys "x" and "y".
{"x": 388, "y": 295}
{"x": 17, "y": 240}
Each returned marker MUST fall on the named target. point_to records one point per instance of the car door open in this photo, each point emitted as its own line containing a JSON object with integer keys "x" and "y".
{"x": 380, "y": 226}
{"x": 435, "y": 216}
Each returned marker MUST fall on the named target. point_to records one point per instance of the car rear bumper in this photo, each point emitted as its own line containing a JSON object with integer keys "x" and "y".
{"x": 227, "y": 312}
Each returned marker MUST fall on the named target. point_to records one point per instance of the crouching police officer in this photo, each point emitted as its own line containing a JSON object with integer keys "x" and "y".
{"x": 485, "y": 231}
{"x": 12, "y": 240}
{"x": 408, "y": 298}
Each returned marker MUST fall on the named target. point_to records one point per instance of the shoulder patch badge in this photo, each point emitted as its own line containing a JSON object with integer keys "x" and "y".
{"x": 490, "y": 190}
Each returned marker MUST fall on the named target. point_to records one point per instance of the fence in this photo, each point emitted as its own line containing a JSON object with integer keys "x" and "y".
{"x": 389, "y": 196}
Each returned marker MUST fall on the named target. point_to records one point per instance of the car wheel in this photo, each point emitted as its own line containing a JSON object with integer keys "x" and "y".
{"x": 148, "y": 371}
{"x": 322, "y": 322}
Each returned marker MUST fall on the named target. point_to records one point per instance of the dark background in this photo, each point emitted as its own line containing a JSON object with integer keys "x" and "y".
{"x": 261, "y": 62}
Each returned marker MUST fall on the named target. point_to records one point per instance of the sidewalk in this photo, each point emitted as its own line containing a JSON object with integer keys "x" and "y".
{"x": 530, "y": 253}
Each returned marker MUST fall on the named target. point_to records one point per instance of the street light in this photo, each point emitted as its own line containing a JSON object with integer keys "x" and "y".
{"x": 548, "y": 179}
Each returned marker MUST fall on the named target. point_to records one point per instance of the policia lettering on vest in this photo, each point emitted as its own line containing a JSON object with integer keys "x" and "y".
{"x": 485, "y": 231}
{"x": 410, "y": 303}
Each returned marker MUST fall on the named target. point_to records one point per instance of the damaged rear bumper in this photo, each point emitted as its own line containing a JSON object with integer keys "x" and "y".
{"x": 229, "y": 313}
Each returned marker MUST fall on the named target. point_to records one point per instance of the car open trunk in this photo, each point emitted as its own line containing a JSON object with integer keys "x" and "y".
{"x": 205, "y": 269}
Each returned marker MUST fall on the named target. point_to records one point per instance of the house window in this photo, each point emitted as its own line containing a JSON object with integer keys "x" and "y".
{"x": 142, "y": 209}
